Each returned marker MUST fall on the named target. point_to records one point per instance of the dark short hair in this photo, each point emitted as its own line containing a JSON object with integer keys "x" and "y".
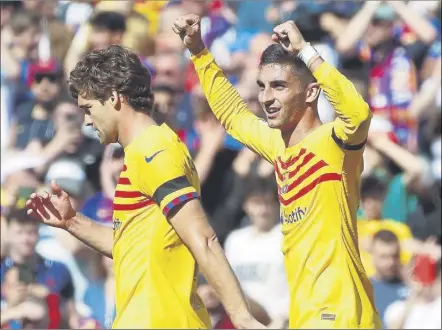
{"x": 372, "y": 186}
{"x": 23, "y": 20}
{"x": 114, "y": 68}
{"x": 20, "y": 216}
{"x": 276, "y": 54}
{"x": 385, "y": 236}
{"x": 258, "y": 186}
{"x": 109, "y": 21}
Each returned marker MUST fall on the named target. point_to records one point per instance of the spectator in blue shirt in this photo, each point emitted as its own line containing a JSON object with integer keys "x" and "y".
{"x": 44, "y": 279}
{"x": 387, "y": 282}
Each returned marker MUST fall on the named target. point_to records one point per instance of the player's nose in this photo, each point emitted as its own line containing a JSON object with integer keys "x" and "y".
{"x": 88, "y": 120}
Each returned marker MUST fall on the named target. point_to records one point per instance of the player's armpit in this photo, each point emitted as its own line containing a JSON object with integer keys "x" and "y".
{"x": 233, "y": 112}
{"x": 351, "y": 126}
{"x": 191, "y": 224}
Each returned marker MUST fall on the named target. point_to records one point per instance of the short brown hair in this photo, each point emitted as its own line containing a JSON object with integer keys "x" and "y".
{"x": 23, "y": 20}
{"x": 114, "y": 68}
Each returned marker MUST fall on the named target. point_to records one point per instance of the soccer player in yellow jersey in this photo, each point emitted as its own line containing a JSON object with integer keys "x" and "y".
{"x": 317, "y": 168}
{"x": 160, "y": 233}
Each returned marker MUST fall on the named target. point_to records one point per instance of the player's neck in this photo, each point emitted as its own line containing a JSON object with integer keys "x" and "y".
{"x": 309, "y": 122}
{"x": 132, "y": 126}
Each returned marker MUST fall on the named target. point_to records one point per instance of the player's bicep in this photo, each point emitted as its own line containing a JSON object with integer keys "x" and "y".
{"x": 191, "y": 224}
{"x": 348, "y": 137}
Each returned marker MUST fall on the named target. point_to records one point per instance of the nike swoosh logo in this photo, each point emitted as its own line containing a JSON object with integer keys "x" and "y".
{"x": 149, "y": 159}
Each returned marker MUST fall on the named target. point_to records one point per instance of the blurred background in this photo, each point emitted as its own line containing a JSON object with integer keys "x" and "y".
{"x": 390, "y": 50}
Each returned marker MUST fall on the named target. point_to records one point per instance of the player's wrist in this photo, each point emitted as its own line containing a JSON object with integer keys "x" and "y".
{"x": 307, "y": 53}
{"x": 198, "y": 48}
{"x": 71, "y": 222}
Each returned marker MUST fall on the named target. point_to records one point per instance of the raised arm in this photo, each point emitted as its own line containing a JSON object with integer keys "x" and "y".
{"x": 224, "y": 100}
{"x": 419, "y": 24}
{"x": 353, "y": 113}
{"x": 351, "y": 126}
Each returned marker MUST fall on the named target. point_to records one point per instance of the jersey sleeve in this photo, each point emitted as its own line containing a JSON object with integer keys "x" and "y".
{"x": 350, "y": 128}
{"x": 232, "y": 111}
{"x": 167, "y": 178}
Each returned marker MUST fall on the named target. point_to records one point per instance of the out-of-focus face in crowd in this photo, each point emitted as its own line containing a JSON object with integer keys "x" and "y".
{"x": 46, "y": 87}
{"x": 22, "y": 235}
{"x": 26, "y": 32}
{"x": 209, "y": 297}
{"x": 262, "y": 210}
{"x": 386, "y": 259}
{"x": 108, "y": 28}
{"x": 169, "y": 70}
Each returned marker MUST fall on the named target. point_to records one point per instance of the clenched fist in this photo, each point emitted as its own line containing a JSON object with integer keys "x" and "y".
{"x": 289, "y": 36}
{"x": 188, "y": 27}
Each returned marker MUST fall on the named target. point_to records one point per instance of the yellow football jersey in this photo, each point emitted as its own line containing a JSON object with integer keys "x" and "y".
{"x": 154, "y": 271}
{"x": 318, "y": 185}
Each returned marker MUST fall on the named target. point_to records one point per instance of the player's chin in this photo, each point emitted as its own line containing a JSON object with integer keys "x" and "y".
{"x": 276, "y": 123}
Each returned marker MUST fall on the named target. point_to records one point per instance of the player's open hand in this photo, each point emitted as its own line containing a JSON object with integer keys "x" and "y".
{"x": 289, "y": 36}
{"x": 188, "y": 27}
{"x": 53, "y": 209}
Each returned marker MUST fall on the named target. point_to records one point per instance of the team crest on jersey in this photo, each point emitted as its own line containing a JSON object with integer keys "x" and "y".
{"x": 284, "y": 188}
{"x": 116, "y": 224}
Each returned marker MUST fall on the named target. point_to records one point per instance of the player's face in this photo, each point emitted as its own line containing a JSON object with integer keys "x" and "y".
{"x": 102, "y": 116}
{"x": 386, "y": 259}
{"x": 281, "y": 96}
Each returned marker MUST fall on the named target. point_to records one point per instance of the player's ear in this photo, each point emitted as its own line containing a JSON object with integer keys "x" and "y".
{"x": 312, "y": 92}
{"x": 116, "y": 100}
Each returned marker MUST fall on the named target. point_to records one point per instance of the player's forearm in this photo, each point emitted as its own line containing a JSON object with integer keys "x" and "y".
{"x": 222, "y": 97}
{"x": 191, "y": 225}
{"x": 351, "y": 109}
{"x": 355, "y": 29}
{"x": 97, "y": 237}
{"x": 213, "y": 263}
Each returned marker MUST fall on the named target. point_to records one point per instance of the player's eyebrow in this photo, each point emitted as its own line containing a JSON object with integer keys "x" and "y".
{"x": 278, "y": 83}
{"x": 260, "y": 83}
{"x": 84, "y": 106}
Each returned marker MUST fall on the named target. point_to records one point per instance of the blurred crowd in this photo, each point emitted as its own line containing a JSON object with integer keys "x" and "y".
{"x": 390, "y": 50}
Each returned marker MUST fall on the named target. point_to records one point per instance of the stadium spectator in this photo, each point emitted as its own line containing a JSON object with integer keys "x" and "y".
{"x": 44, "y": 279}
{"x": 254, "y": 252}
{"x": 33, "y": 120}
{"x": 388, "y": 284}
{"x": 371, "y": 33}
{"x": 100, "y": 294}
{"x": 422, "y": 308}
{"x": 373, "y": 191}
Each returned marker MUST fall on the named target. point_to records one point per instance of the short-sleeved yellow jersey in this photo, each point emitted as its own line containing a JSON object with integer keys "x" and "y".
{"x": 154, "y": 271}
{"x": 318, "y": 186}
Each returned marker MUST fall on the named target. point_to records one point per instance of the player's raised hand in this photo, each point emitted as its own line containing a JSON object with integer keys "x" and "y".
{"x": 53, "y": 209}
{"x": 188, "y": 27}
{"x": 289, "y": 36}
